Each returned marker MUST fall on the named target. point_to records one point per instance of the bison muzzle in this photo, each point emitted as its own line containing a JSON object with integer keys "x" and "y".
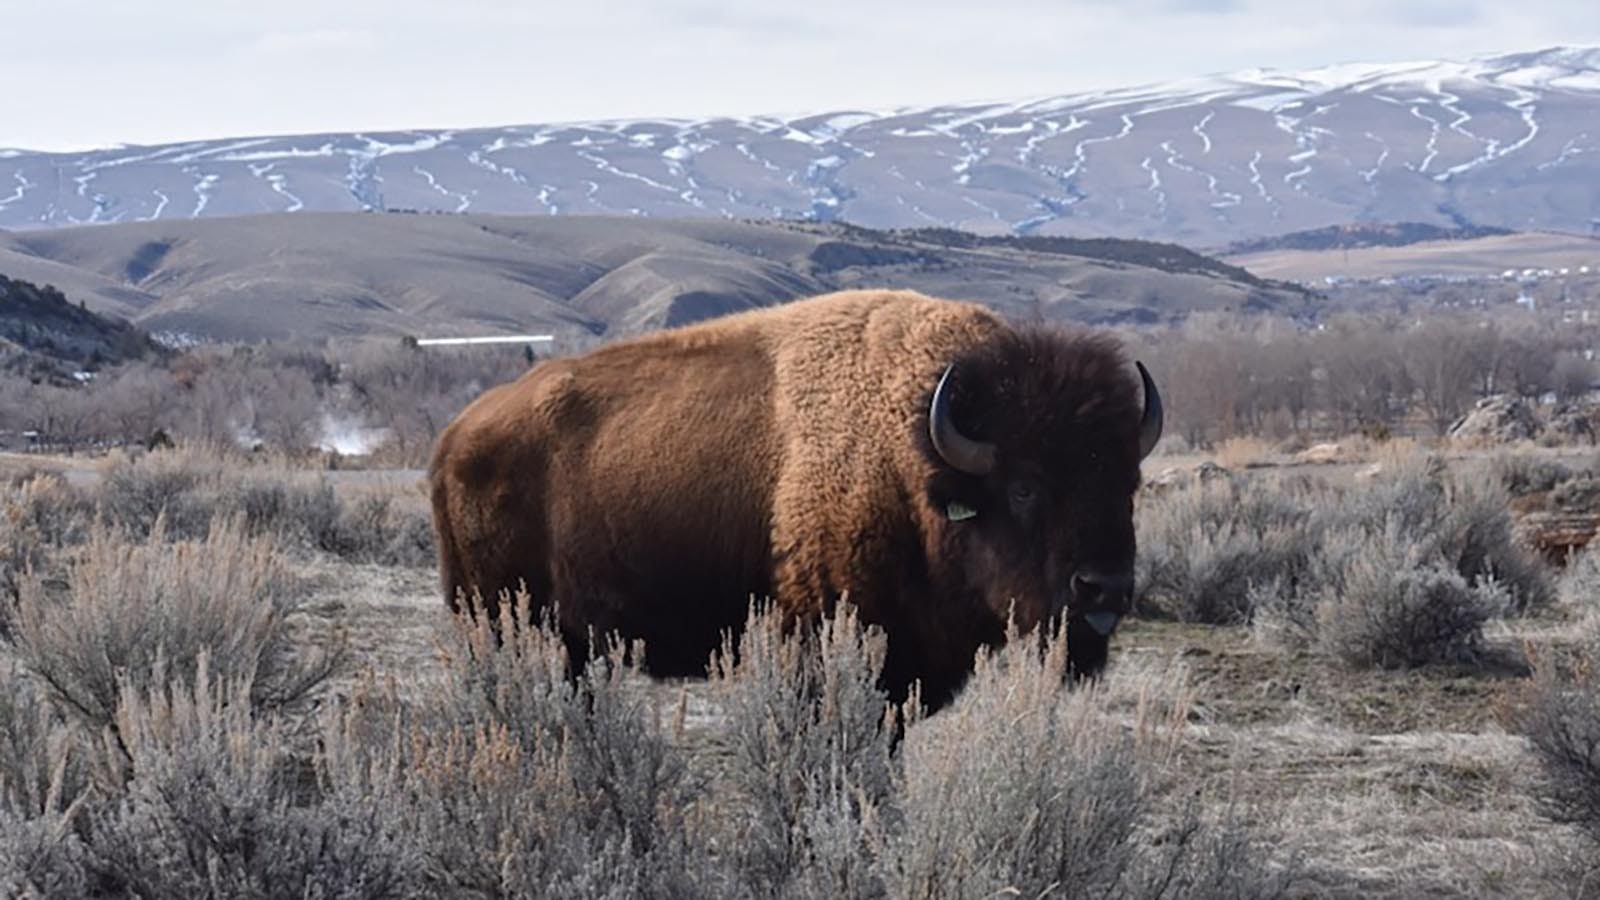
{"x": 922, "y": 459}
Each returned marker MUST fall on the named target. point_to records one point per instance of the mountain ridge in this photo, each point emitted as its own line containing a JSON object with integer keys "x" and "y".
{"x": 1496, "y": 141}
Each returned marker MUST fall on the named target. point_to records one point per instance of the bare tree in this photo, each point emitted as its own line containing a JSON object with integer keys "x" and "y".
{"x": 1572, "y": 377}
{"x": 135, "y": 401}
{"x": 287, "y": 409}
{"x": 1527, "y": 364}
{"x": 1361, "y": 373}
{"x": 1444, "y": 359}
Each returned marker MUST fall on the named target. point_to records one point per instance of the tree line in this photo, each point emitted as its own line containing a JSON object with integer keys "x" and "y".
{"x": 1223, "y": 375}
{"x": 283, "y": 398}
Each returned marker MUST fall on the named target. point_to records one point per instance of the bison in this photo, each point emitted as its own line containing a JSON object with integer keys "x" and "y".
{"x": 922, "y": 459}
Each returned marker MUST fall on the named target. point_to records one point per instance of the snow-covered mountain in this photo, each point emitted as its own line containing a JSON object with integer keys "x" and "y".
{"x": 1510, "y": 141}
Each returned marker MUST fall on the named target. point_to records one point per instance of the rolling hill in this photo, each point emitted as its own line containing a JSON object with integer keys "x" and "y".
{"x": 47, "y": 337}
{"x": 1485, "y": 257}
{"x": 322, "y": 275}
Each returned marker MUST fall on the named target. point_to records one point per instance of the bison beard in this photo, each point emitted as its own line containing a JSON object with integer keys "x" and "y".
{"x": 940, "y": 469}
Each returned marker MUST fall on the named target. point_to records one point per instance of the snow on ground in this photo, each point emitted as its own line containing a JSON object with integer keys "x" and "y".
{"x": 202, "y": 189}
{"x": 1568, "y": 150}
{"x": 1368, "y": 175}
{"x": 18, "y": 192}
{"x": 1443, "y": 97}
{"x": 462, "y": 200}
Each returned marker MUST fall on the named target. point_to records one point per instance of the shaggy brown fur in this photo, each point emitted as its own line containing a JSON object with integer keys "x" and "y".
{"x": 654, "y": 486}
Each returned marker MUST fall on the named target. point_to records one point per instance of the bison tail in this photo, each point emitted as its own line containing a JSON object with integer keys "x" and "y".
{"x": 451, "y": 577}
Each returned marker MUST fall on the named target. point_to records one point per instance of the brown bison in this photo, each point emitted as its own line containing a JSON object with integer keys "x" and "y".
{"x": 919, "y": 458}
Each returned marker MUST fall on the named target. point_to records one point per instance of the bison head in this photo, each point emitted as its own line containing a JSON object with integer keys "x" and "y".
{"x": 1037, "y": 439}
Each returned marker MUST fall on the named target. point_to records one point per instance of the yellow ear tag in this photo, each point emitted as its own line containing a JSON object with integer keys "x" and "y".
{"x": 960, "y": 512}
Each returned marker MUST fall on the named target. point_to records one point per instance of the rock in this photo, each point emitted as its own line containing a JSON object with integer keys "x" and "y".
{"x": 1210, "y": 471}
{"x": 1320, "y": 454}
{"x": 1578, "y": 495}
{"x": 1556, "y": 535}
{"x": 1501, "y": 419}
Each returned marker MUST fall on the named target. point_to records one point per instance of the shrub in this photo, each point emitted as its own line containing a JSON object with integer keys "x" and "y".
{"x": 1521, "y": 474}
{"x": 1027, "y": 788}
{"x": 1579, "y": 583}
{"x": 1559, "y": 713}
{"x": 1477, "y": 539}
{"x": 41, "y": 797}
{"x": 38, "y": 517}
{"x": 1203, "y": 545}
{"x": 135, "y": 493}
{"x": 375, "y": 528}
{"x": 298, "y": 514}
{"x": 1210, "y": 551}
{"x": 1462, "y": 523}
{"x": 128, "y": 602}
{"x": 526, "y": 781}
{"x": 806, "y": 754}
{"x": 1391, "y": 608}
{"x": 1580, "y": 494}
{"x": 187, "y": 489}
{"x": 372, "y": 526}
{"x": 1375, "y": 598}
{"x": 212, "y": 802}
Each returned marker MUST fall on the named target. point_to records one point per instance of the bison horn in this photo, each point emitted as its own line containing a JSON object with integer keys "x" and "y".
{"x": 960, "y": 451}
{"x": 1150, "y": 422}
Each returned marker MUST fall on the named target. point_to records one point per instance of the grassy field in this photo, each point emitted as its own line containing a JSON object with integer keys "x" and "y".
{"x": 1218, "y": 758}
{"x": 1477, "y": 258}
{"x": 1397, "y": 784}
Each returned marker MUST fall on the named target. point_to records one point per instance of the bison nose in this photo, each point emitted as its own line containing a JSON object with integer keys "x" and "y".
{"x": 1101, "y": 598}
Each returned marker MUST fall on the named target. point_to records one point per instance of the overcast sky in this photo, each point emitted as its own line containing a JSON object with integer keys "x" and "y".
{"x": 76, "y": 74}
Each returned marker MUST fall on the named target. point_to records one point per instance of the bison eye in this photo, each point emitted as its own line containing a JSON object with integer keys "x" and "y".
{"x": 1023, "y": 493}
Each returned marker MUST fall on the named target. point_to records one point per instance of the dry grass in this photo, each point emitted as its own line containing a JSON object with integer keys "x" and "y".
{"x": 520, "y": 777}
{"x": 1244, "y": 452}
{"x": 1205, "y": 763}
{"x": 188, "y": 487}
{"x": 1392, "y": 783}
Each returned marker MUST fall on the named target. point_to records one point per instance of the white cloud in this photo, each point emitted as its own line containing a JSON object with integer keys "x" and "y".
{"x": 314, "y": 40}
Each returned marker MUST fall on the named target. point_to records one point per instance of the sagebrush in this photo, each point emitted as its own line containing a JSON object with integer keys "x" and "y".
{"x": 129, "y": 604}
{"x": 525, "y": 775}
{"x": 1400, "y": 569}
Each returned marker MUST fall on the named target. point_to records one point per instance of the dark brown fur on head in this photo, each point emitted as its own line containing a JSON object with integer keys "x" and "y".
{"x": 1062, "y": 410}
